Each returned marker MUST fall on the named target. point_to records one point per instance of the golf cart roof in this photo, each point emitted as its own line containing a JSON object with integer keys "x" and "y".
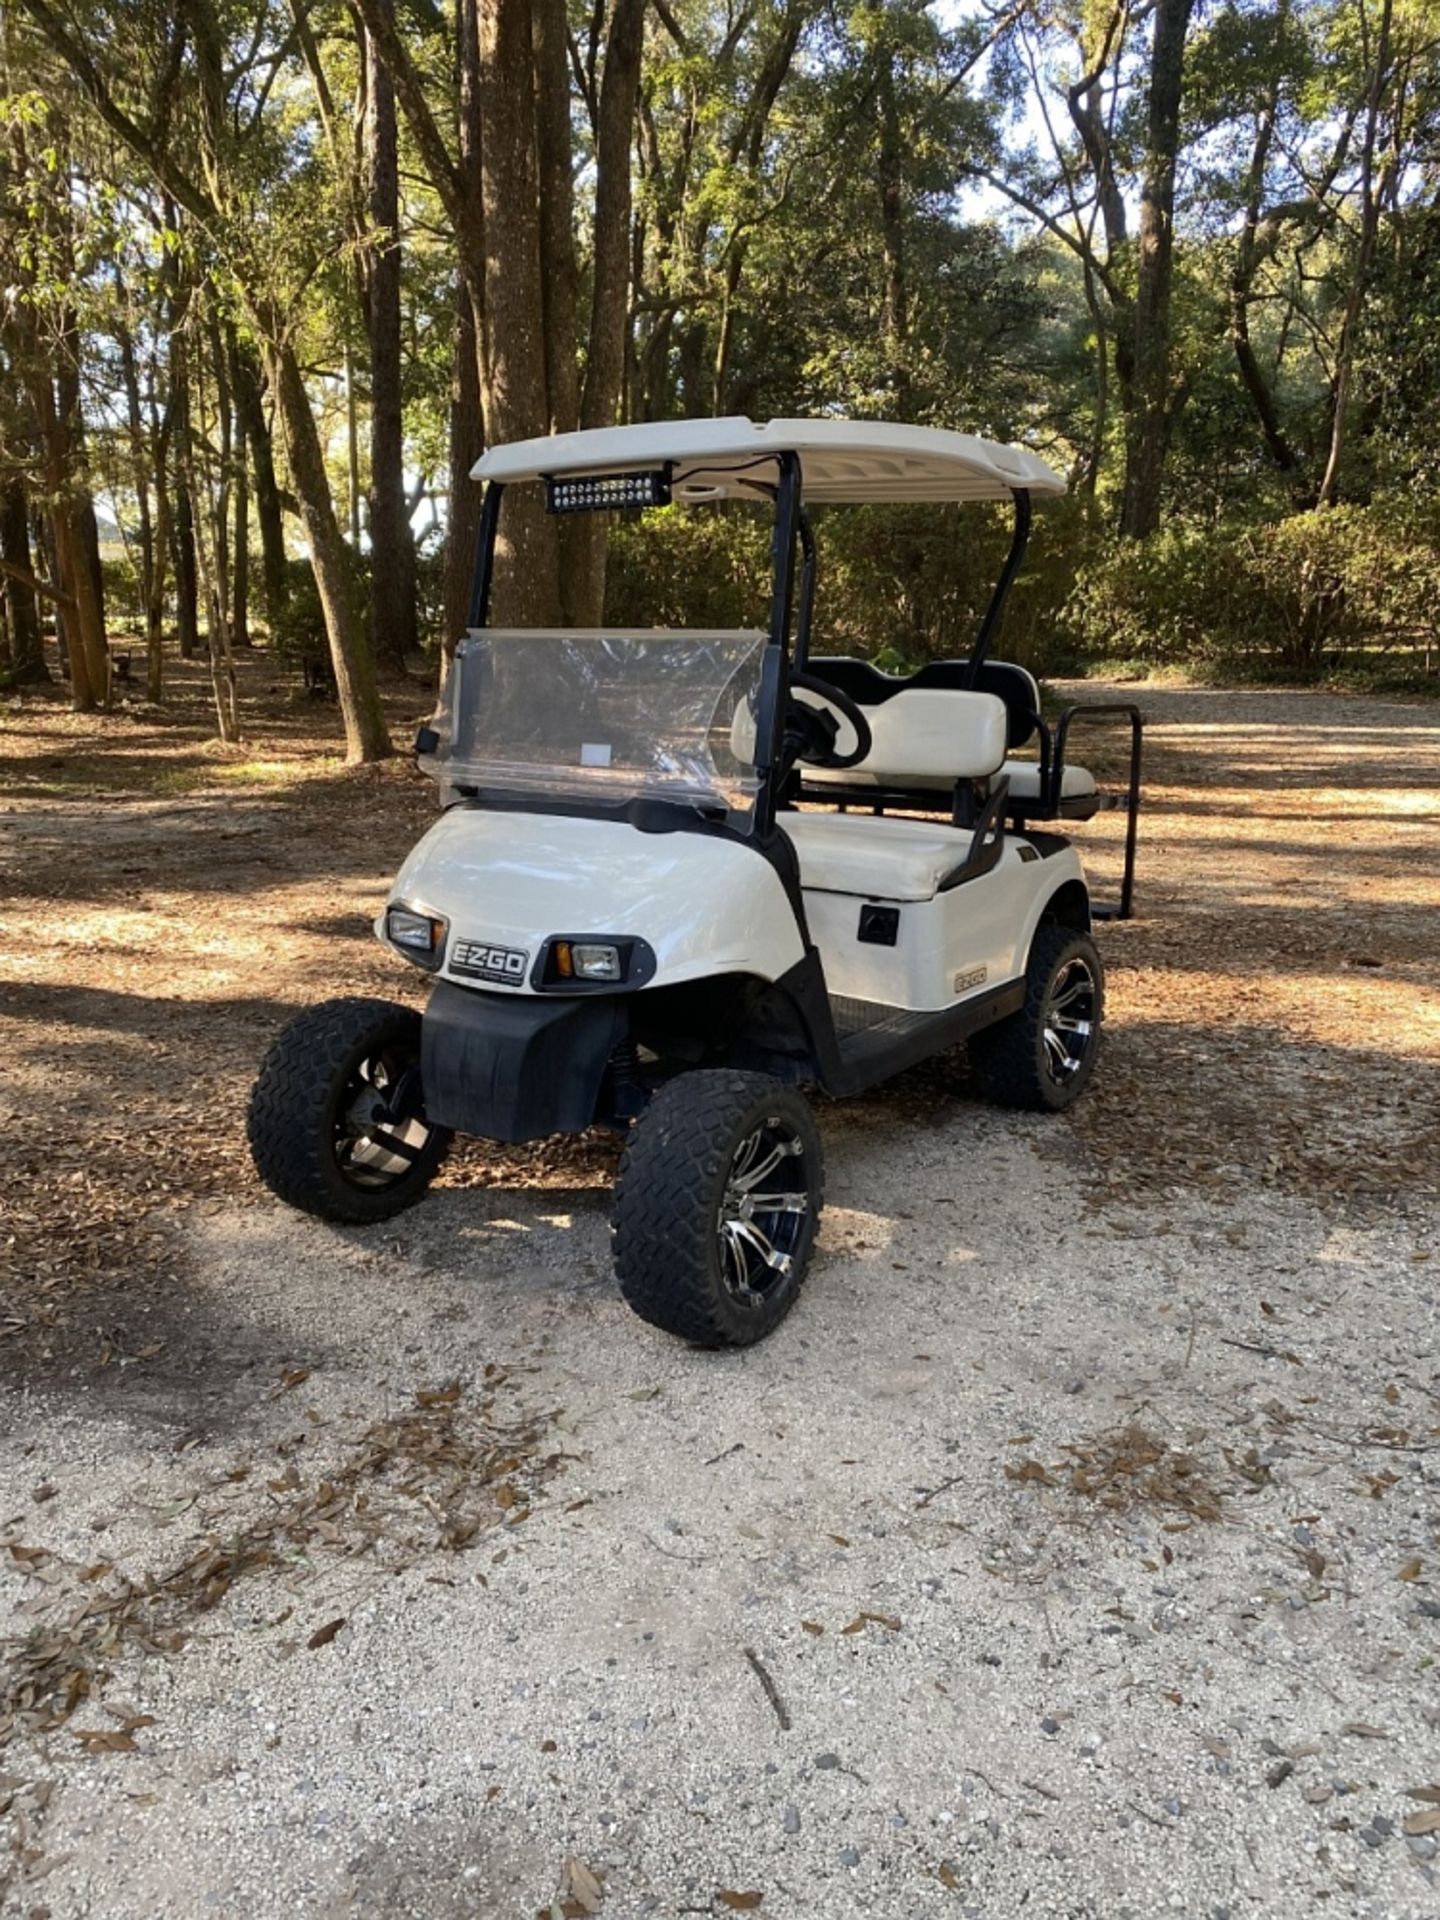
{"x": 841, "y": 460}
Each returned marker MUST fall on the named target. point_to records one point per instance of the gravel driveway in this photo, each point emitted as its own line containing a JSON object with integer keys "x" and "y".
{"x": 1073, "y": 1549}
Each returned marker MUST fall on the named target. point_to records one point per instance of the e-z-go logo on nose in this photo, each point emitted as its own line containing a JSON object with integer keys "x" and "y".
{"x": 484, "y": 962}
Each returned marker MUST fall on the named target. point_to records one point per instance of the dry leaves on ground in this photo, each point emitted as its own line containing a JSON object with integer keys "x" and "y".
{"x": 453, "y": 1472}
{"x": 1126, "y": 1469}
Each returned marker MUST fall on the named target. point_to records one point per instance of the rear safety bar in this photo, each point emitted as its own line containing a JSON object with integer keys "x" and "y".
{"x": 1052, "y": 781}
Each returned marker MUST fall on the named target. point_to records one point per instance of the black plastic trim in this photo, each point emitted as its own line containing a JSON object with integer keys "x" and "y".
{"x": 637, "y": 959}
{"x": 987, "y": 843}
{"x": 861, "y": 1060}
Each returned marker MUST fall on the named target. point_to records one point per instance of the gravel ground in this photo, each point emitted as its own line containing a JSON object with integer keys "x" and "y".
{"x": 1071, "y": 1550}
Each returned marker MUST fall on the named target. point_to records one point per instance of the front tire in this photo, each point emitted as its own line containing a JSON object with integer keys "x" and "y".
{"x": 337, "y": 1123}
{"x": 1041, "y": 1058}
{"x": 716, "y": 1206}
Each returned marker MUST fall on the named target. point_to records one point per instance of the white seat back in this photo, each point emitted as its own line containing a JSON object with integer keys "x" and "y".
{"x": 925, "y": 735}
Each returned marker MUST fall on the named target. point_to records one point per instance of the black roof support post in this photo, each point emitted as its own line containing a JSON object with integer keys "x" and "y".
{"x": 1019, "y": 540}
{"x": 770, "y": 711}
{"x": 485, "y": 555}
{"x": 805, "y": 611}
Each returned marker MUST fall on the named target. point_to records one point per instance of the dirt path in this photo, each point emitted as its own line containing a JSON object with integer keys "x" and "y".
{"x": 1083, "y": 1518}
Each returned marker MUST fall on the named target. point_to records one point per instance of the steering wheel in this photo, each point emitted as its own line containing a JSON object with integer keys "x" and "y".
{"x": 815, "y": 732}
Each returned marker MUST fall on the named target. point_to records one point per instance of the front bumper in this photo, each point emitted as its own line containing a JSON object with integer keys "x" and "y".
{"x": 514, "y": 1069}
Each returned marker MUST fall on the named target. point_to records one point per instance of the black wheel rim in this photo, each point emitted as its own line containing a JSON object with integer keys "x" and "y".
{"x": 378, "y": 1133}
{"x": 1068, "y": 1031}
{"x": 765, "y": 1211}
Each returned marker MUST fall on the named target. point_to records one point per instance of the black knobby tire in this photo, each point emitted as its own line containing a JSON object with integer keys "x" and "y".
{"x": 682, "y": 1228}
{"x": 1017, "y": 1061}
{"x": 309, "y": 1147}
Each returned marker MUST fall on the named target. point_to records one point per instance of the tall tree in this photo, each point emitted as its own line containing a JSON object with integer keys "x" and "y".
{"x": 1151, "y": 387}
{"x": 218, "y": 190}
{"x": 393, "y": 628}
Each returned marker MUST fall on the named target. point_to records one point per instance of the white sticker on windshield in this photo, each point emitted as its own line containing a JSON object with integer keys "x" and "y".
{"x": 592, "y": 755}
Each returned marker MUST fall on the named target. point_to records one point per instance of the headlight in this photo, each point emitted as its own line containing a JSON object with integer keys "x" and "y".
{"x": 419, "y": 936}
{"x": 590, "y": 960}
{"x": 575, "y": 963}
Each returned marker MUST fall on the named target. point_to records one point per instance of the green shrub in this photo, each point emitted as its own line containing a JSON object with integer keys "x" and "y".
{"x": 1297, "y": 598}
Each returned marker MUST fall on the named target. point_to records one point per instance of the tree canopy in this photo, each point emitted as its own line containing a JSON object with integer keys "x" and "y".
{"x": 275, "y": 271}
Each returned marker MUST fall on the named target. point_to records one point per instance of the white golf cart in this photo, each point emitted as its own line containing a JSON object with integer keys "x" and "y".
{"x": 682, "y": 874}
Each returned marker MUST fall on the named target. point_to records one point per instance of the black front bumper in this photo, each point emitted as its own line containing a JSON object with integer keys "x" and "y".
{"x": 516, "y": 1068}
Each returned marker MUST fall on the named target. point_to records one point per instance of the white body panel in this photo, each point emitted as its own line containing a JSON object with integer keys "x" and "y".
{"x": 975, "y": 937}
{"x": 706, "y": 904}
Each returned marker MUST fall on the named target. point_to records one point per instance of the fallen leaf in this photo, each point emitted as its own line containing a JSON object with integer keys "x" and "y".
{"x": 1432, "y": 1794}
{"x": 1029, "y": 1470}
{"x": 1411, "y": 1570}
{"x": 296, "y": 1377}
{"x": 105, "y": 1740}
{"x": 812, "y": 1626}
{"x": 1363, "y": 1731}
{"x": 838, "y": 1538}
{"x": 739, "y": 1902}
{"x": 439, "y": 1396}
{"x": 583, "y": 1885}
{"x": 643, "y": 1393}
{"x": 862, "y": 1620}
{"x": 322, "y": 1636}
{"x": 1426, "y": 1822}
{"x": 948, "y": 1876}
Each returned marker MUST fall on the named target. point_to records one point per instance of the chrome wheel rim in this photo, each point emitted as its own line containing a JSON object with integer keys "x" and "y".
{"x": 378, "y": 1136}
{"x": 765, "y": 1209}
{"x": 1068, "y": 1031}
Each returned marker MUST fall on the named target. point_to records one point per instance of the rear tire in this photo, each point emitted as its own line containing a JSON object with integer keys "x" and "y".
{"x": 1041, "y": 1058}
{"x": 337, "y": 1123}
{"x": 716, "y": 1206}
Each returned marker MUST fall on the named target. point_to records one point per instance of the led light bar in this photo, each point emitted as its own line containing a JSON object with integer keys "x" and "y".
{"x": 602, "y": 492}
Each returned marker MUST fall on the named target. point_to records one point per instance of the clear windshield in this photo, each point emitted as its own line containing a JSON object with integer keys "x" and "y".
{"x": 603, "y": 715}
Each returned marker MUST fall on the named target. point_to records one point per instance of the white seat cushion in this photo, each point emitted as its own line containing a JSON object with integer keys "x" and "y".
{"x": 885, "y": 859}
{"x": 1077, "y": 783}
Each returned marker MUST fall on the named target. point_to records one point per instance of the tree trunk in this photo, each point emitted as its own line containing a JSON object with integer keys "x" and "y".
{"x": 155, "y": 600}
{"x": 269, "y": 513}
{"x": 217, "y": 496}
{"x": 610, "y": 292}
{"x": 467, "y": 441}
{"x": 240, "y": 553}
{"x": 393, "y": 628}
{"x": 84, "y": 623}
{"x": 1150, "y": 414}
{"x": 1343, "y": 380}
{"x": 366, "y": 737}
{"x": 527, "y": 582}
{"x": 217, "y": 627}
{"x": 27, "y": 646}
{"x": 141, "y": 470}
{"x": 559, "y": 269}
{"x": 892, "y": 233}
{"x": 187, "y": 586}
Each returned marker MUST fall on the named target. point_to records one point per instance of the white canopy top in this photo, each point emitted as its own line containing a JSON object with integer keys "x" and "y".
{"x": 841, "y": 460}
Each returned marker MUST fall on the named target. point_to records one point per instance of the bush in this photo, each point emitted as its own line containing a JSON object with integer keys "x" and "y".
{"x": 124, "y": 602}
{"x": 1300, "y": 597}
